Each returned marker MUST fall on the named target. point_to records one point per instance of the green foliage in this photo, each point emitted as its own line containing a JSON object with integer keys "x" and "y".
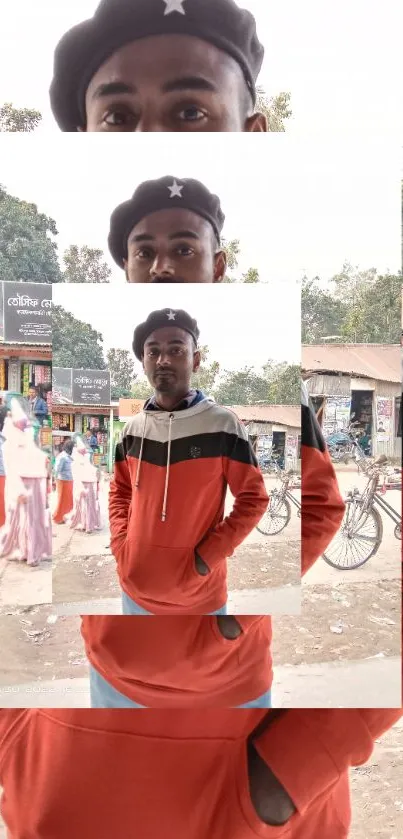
{"x": 284, "y": 382}
{"x": 360, "y": 307}
{"x": 142, "y": 389}
{"x": 85, "y": 265}
{"x": 27, "y": 251}
{"x": 75, "y": 344}
{"x": 276, "y": 109}
{"x": 18, "y": 119}
{"x": 278, "y": 384}
{"x": 121, "y": 366}
{"x": 207, "y": 374}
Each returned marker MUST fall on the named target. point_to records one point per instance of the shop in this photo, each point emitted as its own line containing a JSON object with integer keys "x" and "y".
{"x": 81, "y": 403}
{"x": 359, "y": 384}
{"x": 26, "y": 342}
{"x": 273, "y": 428}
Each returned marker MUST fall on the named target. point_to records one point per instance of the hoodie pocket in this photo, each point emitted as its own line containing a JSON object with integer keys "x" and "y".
{"x": 163, "y": 574}
{"x": 321, "y": 820}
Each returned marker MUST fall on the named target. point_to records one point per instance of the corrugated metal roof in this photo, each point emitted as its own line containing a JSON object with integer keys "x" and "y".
{"x": 277, "y": 414}
{"x": 372, "y": 361}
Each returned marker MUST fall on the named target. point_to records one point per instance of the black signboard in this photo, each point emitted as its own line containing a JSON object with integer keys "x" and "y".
{"x": 91, "y": 387}
{"x": 62, "y": 385}
{"x": 27, "y": 313}
{"x": 1, "y": 314}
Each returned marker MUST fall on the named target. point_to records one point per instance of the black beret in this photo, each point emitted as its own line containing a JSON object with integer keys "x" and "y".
{"x": 83, "y": 50}
{"x": 159, "y": 319}
{"x": 163, "y": 194}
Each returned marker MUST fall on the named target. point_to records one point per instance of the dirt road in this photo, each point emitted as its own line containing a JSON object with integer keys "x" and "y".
{"x": 376, "y": 789}
{"x": 23, "y": 585}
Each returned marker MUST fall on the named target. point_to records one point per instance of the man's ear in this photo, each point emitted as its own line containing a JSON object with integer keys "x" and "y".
{"x": 220, "y": 266}
{"x": 196, "y": 361}
{"x": 257, "y": 122}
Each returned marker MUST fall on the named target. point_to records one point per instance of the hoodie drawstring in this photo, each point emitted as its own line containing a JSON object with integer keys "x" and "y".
{"x": 164, "y": 506}
{"x": 141, "y": 452}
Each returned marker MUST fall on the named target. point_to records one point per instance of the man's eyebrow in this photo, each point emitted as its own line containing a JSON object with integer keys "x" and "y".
{"x": 172, "y": 341}
{"x": 113, "y": 88}
{"x": 137, "y": 238}
{"x": 189, "y": 83}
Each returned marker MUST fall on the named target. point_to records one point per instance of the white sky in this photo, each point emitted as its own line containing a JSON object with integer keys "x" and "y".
{"x": 295, "y": 204}
{"x": 242, "y": 325}
{"x": 341, "y": 60}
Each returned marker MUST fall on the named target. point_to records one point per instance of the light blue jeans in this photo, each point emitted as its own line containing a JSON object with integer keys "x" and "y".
{"x": 130, "y": 607}
{"x": 103, "y": 695}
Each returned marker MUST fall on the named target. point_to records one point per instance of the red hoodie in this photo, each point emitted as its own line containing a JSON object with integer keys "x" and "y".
{"x": 166, "y": 501}
{"x": 81, "y": 774}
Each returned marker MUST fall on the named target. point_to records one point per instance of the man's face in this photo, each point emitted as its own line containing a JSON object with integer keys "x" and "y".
{"x": 169, "y": 360}
{"x": 32, "y": 393}
{"x": 143, "y": 87}
{"x": 174, "y": 246}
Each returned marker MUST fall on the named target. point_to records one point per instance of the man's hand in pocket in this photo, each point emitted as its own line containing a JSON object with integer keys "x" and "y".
{"x": 272, "y": 803}
{"x": 201, "y": 566}
{"x": 229, "y": 627}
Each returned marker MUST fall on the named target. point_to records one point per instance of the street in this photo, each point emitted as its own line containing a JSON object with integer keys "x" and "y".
{"x": 23, "y": 585}
{"x": 263, "y": 574}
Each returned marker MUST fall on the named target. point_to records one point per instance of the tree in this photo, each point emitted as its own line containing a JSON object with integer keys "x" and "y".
{"x": 241, "y": 387}
{"x": 251, "y": 276}
{"x": 284, "y": 382}
{"x": 377, "y": 320}
{"x": 207, "y": 374}
{"x": 85, "y": 265}
{"x": 121, "y": 367}
{"x": 18, "y": 119}
{"x": 322, "y": 315}
{"x": 276, "y": 109}
{"x": 27, "y": 251}
{"x": 74, "y": 343}
{"x": 142, "y": 389}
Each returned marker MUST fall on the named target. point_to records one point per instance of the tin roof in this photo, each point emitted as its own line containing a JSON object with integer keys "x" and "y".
{"x": 372, "y": 361}
{"x": 278, "y": 414}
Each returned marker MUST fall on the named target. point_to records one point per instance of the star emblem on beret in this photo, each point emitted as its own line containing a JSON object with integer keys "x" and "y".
{"x": 171, "y": 315}
{"x": 175, "y": 190}
{"x": 174, "y": 6}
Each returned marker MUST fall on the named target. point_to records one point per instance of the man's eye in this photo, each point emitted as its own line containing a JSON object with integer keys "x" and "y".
{"x": 118, "y": 118}
{"x": 184, "y": 250}
{"x": 144, "y": 253}
{"x": 191, "y": 114}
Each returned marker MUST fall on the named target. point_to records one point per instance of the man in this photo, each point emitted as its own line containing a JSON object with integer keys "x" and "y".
{"x": 37, "y": 404}
{"x": 91, "y": 440}
{"x": 173, "y": 467}
{"x": 183, "y": 774}
{"x": 159, "y": 65}
{"x": 169, "y": 232}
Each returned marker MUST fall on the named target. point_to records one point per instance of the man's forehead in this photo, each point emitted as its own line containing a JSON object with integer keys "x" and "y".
{"x": 169, "y": 223}
{"x": 168, "y": 335}
{"x": 184, "y": 62}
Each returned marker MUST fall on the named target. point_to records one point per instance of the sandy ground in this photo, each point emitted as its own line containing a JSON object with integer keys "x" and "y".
{"x": 376, "y": 788}
{"x": 85, "y": 572}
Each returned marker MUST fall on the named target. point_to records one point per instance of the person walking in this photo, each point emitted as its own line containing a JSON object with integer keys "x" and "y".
{"x": 64, "y": 483}
{"x": 86, "y": 515}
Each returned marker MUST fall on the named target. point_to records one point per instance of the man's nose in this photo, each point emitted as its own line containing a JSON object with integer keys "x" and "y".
{"x": 162, "y": 266}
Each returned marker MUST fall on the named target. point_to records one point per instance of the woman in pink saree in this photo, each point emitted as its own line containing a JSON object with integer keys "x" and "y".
{"x": 27, "y": 532}
{"x": 86, "y": 515}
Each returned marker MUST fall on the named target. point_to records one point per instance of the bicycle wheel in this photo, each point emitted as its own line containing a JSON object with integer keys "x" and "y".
{"x": 276, "y": 517}
{"x": 358, "y": 539}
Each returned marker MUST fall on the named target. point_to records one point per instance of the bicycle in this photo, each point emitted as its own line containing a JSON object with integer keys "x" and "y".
{"x": 361, "y": 531}
{"x": 278, "y": 513}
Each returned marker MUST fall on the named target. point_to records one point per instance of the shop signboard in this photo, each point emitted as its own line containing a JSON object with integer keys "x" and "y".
{"x": 384, "y": 409}
{"x": 27, "y": 313}
{"x": 62, "y": 386}
{"x": 91, "y": 387}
